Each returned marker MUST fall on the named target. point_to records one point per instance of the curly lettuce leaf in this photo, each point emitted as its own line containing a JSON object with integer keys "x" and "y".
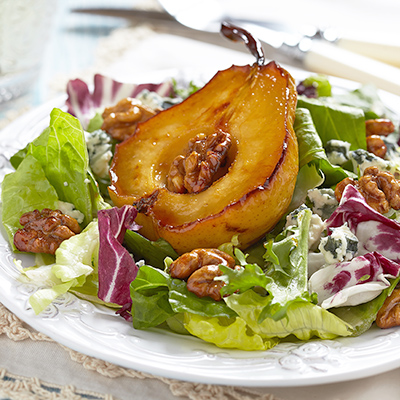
{"x": 288, "y": 255}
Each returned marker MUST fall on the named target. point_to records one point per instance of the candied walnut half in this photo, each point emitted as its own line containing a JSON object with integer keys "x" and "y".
{"x": 200, "y": 267}
{"x": 195, "y": 171}
{"x": 389, "y": 314}
{"x": 381, "y": 127}
{"x": 380, "y": 189}
{"x": 375, "y": 128}
{"x": 376, "y": 145}
{"x": 44, "y": 231}
{"x": 120, "y": 121}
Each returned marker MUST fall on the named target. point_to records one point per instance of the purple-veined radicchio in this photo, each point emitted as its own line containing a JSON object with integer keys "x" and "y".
{"x": 83, "y": 104}
{"x": 374, "y": 231}
{"x": 353, "y": 282}
{"x": 364, "y": 277}
{"x": 117, "y": 268}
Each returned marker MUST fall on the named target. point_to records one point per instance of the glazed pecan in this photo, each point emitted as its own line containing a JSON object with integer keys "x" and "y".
{"x": 376, "y": 145}
{"x": 200, "y": 267}
{"x": 380, "y": 189}
{"x": 389, "y": 314}
{"x": 381, "y": 127}
{"x": 195, "y": 171}
{"x": 120, "y": 121}
{"x": 44, "y": 231}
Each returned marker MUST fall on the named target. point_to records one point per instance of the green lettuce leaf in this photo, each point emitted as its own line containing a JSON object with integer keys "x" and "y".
{"x": 150, "y": 298}
{"x": 311, "y": 150}
{"x": 25, "y": 190}
{"x": 153, "y": 252}
{"x": 321, "y": 83}
{"x": 61, "y": 151}
{"x": 227, "y": 332}
{"x": 336, "y": 121}
{"x": 288, "y": 255}
{"x": 75, "y": 260}
{"x": 182, "y": 300}
{"x": 157, "y": 297}
{"x": 366, "y": 98}
{"x": 303, "y": 319}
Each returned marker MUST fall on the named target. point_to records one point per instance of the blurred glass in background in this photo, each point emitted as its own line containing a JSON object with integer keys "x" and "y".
{"x": 25, "y": 28}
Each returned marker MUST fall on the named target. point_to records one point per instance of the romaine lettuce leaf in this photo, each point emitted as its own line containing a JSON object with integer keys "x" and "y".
{"x": 227, "y": 332}
{"x": 61, "y": 151}
{"x": 336, "y": 121}
{"x": 314, "y": 167}
{"x": 302, "y": 319}
{"x": 157, "y": 297}
{"x": 25, "y": 190}
{"x": 150, "y": 298}
{"x": 75, "y": 260}
{"x": 153, "y": 252}
{"x": 311, "y": 150}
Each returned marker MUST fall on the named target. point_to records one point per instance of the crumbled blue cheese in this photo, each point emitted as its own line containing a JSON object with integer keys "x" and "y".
{"x": 99, "y": 150}
{"x": 291, "y": 218}
{"x": 340, "y": 245}
{"x": 317, "y": 226}
{"x": 337, "y": 151}
{"x": 155, "y": 101}
{"x": 69, "y": 209}
{"x": 362, "y": 159}
{"x": 150, "y": 99}
{"x": 322, "y": 202}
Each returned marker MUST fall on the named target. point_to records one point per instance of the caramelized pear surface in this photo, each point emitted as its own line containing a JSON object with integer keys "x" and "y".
{"x": 255, "y": 105}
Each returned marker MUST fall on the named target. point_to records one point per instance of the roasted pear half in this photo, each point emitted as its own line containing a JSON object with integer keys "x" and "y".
{"x": 252, "y": 107}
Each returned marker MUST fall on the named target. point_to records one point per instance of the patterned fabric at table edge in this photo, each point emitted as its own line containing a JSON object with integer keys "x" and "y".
{"x": 13, "y": 387}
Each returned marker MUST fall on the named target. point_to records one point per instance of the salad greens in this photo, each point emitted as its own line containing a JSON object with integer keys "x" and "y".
{"x": 276, "y": 290}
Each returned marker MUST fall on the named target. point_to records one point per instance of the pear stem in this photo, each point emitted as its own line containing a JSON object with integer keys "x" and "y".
{"x": 236, "y": 34}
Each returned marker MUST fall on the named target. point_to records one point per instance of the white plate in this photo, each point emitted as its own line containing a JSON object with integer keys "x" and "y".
{"x": 98, "y": 332}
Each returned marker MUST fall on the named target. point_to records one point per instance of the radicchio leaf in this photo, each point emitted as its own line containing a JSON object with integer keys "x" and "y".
{"x": 353, "y": 282}
{"x": 83, "y": 104}
{"x": 374, "y": 231}
{"x": 117, "y": 268}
